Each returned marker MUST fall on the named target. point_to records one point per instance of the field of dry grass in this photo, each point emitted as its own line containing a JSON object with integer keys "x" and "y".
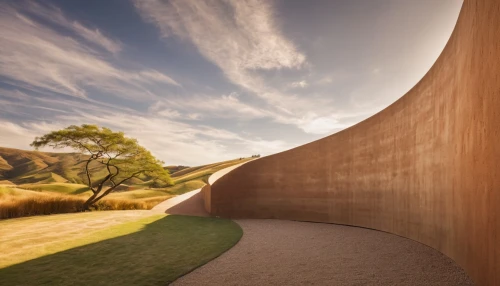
{"x": 63, "y": 197}
{"x": 15, "y": 202}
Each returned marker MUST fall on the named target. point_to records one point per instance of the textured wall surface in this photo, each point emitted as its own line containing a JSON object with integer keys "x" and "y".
{"x": 427, "y": 167}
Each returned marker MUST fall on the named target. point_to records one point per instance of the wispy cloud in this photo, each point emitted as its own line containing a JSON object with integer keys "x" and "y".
{"x": 234, "y": 77}
{"x": 224, "y": 106}
{"x": 242, "y": 38}
{"x": 155, "y": 76}
{"x": 16, "y": 135}
{"x": 302, "y": 84}
{"x": 95, "y": 36}
{"x": 238, "y": 36}
{"x": 320, "y": 125}
{"x": 55, "y": 15}
{"x": 171, "y": 139}
{"x": 46, "y": 59}
{"x": 53, "y": 68}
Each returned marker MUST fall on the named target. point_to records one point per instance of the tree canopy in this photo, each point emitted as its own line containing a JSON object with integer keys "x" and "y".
{"x": 122, "y": 157}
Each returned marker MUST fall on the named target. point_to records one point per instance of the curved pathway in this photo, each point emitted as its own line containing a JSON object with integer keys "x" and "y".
{"x": 275, "y": 252}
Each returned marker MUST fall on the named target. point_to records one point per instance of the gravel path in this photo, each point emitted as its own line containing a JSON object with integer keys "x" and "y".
{"x": 274, "y": 252}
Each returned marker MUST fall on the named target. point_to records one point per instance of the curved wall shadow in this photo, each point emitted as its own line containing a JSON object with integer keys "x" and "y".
{"x": 427, "y": 167}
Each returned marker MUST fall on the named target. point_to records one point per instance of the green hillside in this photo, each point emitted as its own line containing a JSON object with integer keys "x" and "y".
{"x": 29, "y": 167}
{"x": 26, "y": 167}
{"x": 63, "y": 173}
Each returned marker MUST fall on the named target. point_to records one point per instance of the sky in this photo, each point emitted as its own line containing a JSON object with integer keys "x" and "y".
{"x": 204, "y": 81}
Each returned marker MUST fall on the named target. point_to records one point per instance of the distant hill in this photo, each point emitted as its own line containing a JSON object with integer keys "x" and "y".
{"x": 21, "y": 167}
{"x": 28, "y": 167}
{"x": 174, "y": 169}
{"x": 26, "y": 172}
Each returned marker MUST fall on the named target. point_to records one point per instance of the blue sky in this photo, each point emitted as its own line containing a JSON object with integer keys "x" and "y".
{"x": 203, "y": 81}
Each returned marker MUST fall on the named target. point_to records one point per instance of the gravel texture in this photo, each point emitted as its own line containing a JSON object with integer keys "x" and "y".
{"x": 274, "y": 252}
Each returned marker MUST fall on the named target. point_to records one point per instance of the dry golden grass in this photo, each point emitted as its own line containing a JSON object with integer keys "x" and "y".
{"x": 16, "y": 202}
{"x": 127, "y": 204}
{"x": 13, "y": 204}
{"x": 151, "y": 202}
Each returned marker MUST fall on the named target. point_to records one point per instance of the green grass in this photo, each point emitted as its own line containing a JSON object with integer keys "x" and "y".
{"x": 62, "y": 177}
{"x": 6, "y": 190}
{"x": 151, "y": 251}
{"x": 185, "y": 187}
{"x": 152, "y": 197}
{"x": 153, "y": 193}
{"x": 136, "y": 194}
{"x": 62, "y": 188}
{"x": 205, "y": 171}
{"x": 194, "y": 179}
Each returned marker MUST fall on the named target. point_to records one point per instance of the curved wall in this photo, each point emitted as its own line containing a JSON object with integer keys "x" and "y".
{"x": 206, "y": 189}
{"x": 427, "y": 167}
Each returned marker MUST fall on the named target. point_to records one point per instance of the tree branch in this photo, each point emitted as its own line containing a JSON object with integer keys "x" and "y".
{"x": 114, "y": 187}
{"x": 81, "y": 145}
{"x": 88, "y": 175}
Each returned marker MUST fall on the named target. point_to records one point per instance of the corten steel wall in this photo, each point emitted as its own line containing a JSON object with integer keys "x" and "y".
{"x": 427, "y": 167}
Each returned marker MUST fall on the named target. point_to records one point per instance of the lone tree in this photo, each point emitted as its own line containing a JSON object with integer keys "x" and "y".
{"x": 123, "y": 158}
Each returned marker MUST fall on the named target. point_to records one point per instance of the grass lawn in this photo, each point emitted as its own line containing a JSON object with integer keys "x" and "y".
{"x": 152, "y": 250}
{"x": 182, "y": 188}
{"x": 62, "y": 188}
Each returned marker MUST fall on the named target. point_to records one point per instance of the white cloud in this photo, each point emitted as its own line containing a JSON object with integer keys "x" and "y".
{"x": 325, "y": 80}
{"x": 14, "y": 135}
{"x": 21, "y": 135}
{"x": 17, "y": 102}
{"x": 97, "y": 37}
{"x": 246, "y": 39}
{"x": 199, "y": 106}
{"x": 153, "y": 75}
{"x": 55, "y": 15}
{"x": 38, "y": 57}
{"x": 181, "y": 143}
{"x": 321, "y": 125}
{"x": 241, "y": 42}
{"x": 268, "y": 146}
{"x": 230, "y": 107}
{"x": 302, "y": 84}
{"x": 194, "y": 116}
{"x": 171, "y": 141}
{"x": 169, "y": 113}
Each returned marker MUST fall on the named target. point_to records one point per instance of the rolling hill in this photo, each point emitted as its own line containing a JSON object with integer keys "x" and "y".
{"x": 31, "y": 176}
{"x": 30, "y": 167}
{"x": 64, "y": 173}
{"x": 27, "y": 167}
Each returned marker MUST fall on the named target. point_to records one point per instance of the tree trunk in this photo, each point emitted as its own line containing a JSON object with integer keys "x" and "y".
{"x": 86, "y": 205}
{"x": 95, "y": 197}
{"x": 89, "y": 202}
